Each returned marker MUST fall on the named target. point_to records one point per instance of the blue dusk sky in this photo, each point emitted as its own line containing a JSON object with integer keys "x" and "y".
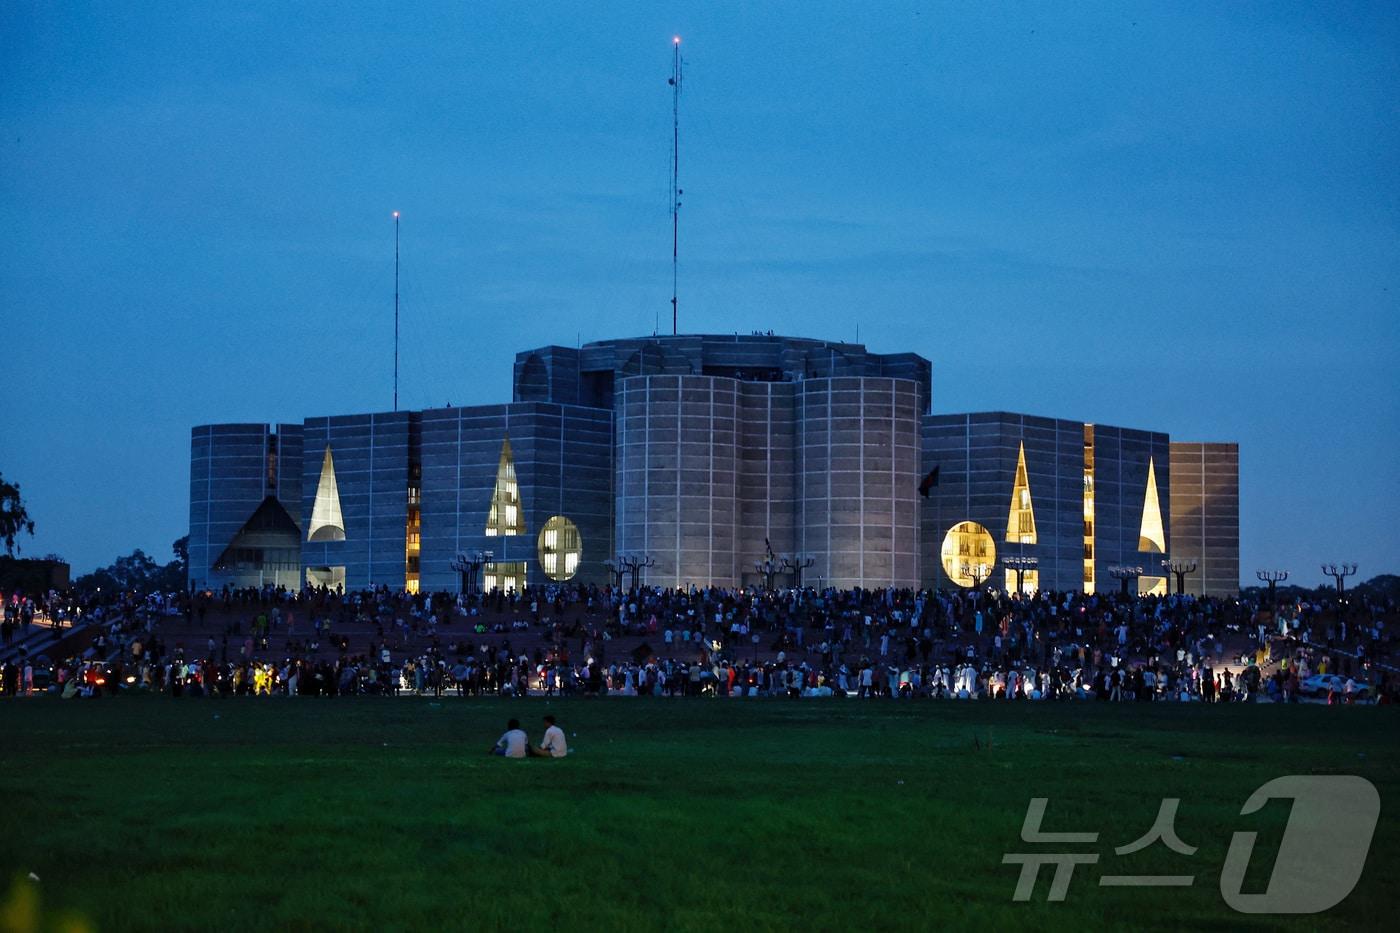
{"x": 1175, "y": 216}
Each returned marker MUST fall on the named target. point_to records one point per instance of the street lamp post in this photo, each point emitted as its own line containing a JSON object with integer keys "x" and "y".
{"x": 1273, "y": 578}
{"x": 767, "y": 568}
{"x": 1339, "y": 572}
{"x": 615, "y": 572}
{"x": 795, "y": 565}
{"x": 469, "y": 564}
{"x": 1179, "y": 567}
{"x": 641, "y": 563}
{"x": 1020, "y": 565}
{"x": 1124, "y": 576}
{"x": 626, "y": 565}
{"x": 632, "y": 564}
{"x": 978, "y": 572}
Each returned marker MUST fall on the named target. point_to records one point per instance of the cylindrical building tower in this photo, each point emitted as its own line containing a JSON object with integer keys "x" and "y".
{"x": 676, "y": 460}
{"x": 858, "y": 475}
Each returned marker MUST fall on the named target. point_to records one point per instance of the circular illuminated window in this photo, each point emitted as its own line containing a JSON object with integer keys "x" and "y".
{"x": 560, "y": 547}
{"x": 969, "y": 554}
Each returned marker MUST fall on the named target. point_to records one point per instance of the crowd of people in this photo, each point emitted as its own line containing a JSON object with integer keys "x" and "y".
{"x": 591, "y": 640}
{"x": 84, "y": 629}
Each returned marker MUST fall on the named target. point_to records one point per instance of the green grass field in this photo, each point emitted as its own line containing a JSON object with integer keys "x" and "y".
{"x": 148, "y": 813}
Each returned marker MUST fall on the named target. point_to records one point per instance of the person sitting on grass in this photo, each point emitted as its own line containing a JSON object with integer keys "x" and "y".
{"x": 514, "y": 743}
{"x": 553, "y": 744}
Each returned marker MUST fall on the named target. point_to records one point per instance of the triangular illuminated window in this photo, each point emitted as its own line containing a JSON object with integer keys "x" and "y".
{"x": 1020, "y": 522}
{"x": 1152, "y": 537}
{"x": 268, "y": 540}
{"x": 326, "y": 522}
{"x": 506, "y": 517}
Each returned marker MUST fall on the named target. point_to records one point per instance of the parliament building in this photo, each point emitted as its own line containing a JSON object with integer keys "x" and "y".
{"x": 711, "y": 460}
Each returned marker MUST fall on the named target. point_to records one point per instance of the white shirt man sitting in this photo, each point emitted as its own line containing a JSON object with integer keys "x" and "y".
{"x": 514, "y": 743}
{"x": 553, "y": 744}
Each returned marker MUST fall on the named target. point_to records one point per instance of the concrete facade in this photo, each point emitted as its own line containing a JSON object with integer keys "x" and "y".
{"x": 562, "y": 456}
{"x": 234, "y": 468}
{"x": 1205, "y": 507}
{"x": 768, "y": 465}
{"x": 977, "y": 456}
{"x": 588, "y": 375}
{"x": 858, "y": 474}
{"x": 370, "y": 459}
{"x": 678, "y": 477}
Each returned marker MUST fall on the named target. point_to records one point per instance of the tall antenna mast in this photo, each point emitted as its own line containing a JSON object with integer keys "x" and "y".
{"x": 675, "y": 174}
{"x": 396, "y": 310}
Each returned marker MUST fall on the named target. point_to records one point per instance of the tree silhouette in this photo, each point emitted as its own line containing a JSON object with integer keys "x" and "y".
{"x": 14, "y": 517}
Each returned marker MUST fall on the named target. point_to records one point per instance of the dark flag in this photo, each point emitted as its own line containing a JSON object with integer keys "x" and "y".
{"x": 928, "y": 482}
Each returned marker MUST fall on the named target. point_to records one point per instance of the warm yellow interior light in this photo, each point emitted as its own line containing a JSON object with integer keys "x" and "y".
{"x": 969, "y": 554}
{"x": 506, "y": 516}
{"x": 1020, "y": 520}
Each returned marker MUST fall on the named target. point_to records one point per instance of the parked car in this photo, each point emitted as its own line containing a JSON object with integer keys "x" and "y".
{"x": 1319, "y": 684}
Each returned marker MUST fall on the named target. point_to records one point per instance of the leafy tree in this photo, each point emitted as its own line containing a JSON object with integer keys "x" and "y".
{"x": 140, "y": 572}
{"x": 174, "y": 576}
{"x": 14, "y": 517}
{"x": 1385, "y": 586}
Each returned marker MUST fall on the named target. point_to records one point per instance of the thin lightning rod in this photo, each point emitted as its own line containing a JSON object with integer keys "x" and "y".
{"x": 675, "y": 176}
{"x": 396, "y": 310}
